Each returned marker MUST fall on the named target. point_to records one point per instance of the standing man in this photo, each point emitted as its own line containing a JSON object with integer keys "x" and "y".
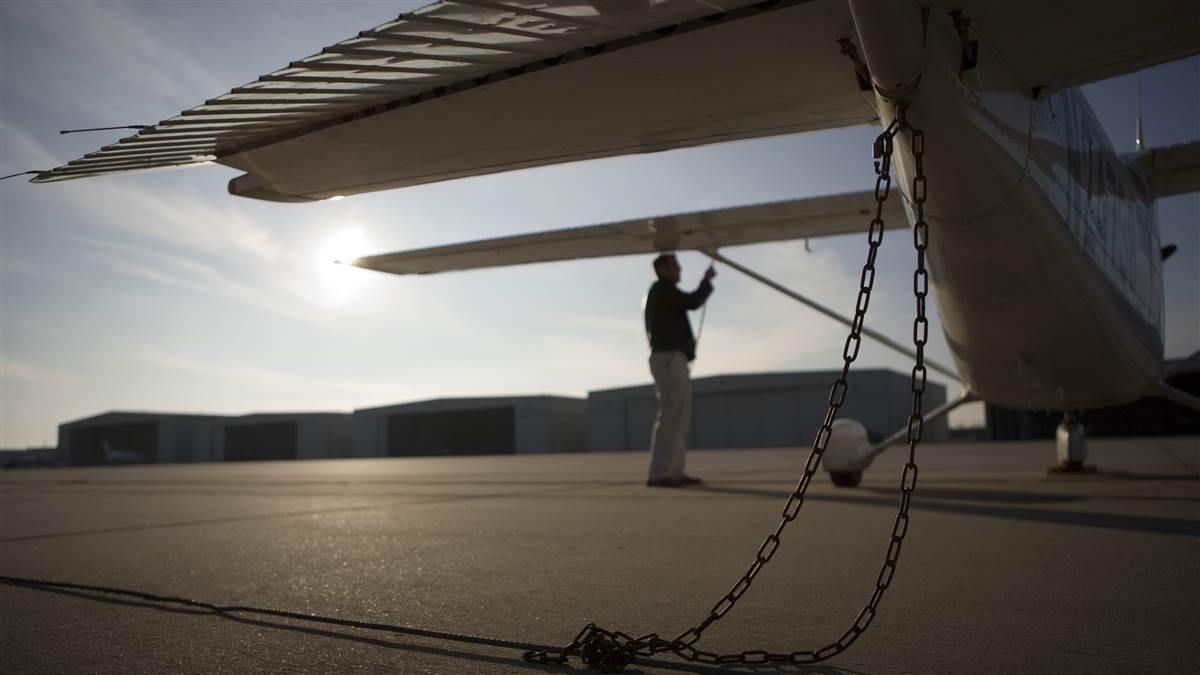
{"x": 672, "y": 349}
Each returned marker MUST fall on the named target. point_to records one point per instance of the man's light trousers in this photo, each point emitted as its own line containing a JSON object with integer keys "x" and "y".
{"x": 673, "y": 386}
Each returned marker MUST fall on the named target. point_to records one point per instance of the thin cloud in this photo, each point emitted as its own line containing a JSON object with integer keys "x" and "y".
{"x": 120, "y": 42}
{"x": 180, "y": 218}
{"x": 181, "y": 272}
{"x": 30, "y": 373}
{"x": 23, "y": 152}
{"x": 287, "y": 387}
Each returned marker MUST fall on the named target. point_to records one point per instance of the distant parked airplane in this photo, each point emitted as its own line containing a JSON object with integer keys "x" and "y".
{"x": 119, "y": 456}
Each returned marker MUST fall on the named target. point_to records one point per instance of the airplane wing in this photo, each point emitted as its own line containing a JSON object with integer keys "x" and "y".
{"x": 1056, "y": 45}
{"x": 469, "y": 87}
{"x": 720, "y": 228}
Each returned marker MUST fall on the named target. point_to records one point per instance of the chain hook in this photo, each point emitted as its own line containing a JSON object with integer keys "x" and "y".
{"x": 901, "y": 121}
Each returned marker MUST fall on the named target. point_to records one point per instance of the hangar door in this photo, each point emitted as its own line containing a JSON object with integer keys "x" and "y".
{"x": 115, "y": 444}
{"x": 254, "y": 442}
{"x": 760, "y": 418}
{"x": 485, "y": 431}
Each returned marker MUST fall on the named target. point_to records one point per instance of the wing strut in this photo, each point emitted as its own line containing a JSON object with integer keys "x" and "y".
{"x": 877, "y": 336}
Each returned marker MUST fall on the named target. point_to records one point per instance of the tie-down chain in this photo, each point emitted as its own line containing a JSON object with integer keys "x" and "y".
{"x": 610, "y": 651}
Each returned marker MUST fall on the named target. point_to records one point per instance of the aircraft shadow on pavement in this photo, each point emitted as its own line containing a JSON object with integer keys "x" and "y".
{"x": 236, "y": 615}
{"x": 1007, "y": 504}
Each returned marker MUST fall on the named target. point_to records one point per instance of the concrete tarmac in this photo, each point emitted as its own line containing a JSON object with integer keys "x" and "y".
{"x": 1005, "y": 569}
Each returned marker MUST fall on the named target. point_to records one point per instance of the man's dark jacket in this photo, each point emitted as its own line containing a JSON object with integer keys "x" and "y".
{"x": 667, "y": 324}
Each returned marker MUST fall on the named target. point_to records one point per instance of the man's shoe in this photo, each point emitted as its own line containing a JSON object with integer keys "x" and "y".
{"x": 690, "y": 480}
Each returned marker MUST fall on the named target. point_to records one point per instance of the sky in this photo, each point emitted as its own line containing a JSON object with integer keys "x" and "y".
{"x": 159, "y": 291}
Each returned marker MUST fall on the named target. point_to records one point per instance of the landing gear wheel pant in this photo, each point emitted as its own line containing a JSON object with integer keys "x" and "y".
{"x": 673, "y": 387}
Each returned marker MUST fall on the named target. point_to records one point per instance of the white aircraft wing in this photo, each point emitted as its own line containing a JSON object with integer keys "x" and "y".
{"x": 469, "y": 87}
{"x": 775, "y": 221}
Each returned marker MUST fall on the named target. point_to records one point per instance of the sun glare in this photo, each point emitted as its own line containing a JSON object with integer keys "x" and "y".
{"x": 340, "y": 280}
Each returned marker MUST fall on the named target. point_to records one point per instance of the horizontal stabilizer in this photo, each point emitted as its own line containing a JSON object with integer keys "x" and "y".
{"x": 1189, "y": 365}
{"x": 719, "y": 228}
{"x": 1178, "y": 396}
{"x": 1171, "y": 169}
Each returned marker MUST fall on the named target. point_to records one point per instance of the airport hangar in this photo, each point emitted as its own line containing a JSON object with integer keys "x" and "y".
{"x": 730, "y": 411}
{"x": 165, "y": 438}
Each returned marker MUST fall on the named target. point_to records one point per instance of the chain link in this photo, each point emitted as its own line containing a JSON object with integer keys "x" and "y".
{"x": 610, "y": 651}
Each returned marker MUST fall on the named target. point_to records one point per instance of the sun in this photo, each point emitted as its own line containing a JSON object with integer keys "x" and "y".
{"x": 340, "y": 281}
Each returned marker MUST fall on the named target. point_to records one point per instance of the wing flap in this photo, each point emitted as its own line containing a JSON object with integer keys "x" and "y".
{"x": 719, "y": 228}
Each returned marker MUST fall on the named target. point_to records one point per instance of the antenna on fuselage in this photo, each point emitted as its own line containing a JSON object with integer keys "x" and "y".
{"x": 1139, "y": 139}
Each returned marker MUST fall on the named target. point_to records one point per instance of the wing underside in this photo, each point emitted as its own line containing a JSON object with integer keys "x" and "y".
{"x": 469, "y": 87}
{"x": 1056, "y": 45}
{"x": 775, "y": 221}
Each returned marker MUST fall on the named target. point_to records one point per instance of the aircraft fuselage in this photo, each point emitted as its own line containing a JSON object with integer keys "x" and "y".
{"x": 1044, "y": 258}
